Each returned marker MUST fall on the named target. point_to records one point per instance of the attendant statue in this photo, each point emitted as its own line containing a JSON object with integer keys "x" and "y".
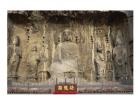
{"x": 32, "y": 64}
{"x": 100, "y": 59}
{"x": 43, "y": 73}
{"x": 120, "y": 57}
{"x": 15, "y": 57}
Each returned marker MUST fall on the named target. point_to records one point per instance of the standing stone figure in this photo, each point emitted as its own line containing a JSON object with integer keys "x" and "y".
{"x": 32, "y": 64}
{"x": 109, "y": 67}
{"x": 100, "y": 60}
{"x": 14, "y": 60}
{"x": 43, "y": 73}
{"x": 120, "y": 58}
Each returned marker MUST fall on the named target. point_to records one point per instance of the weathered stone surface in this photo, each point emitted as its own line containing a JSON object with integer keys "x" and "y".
{"x": 81, "y": 46}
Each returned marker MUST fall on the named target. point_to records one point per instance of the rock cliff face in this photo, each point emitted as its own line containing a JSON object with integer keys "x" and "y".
{"x": 90, "y": 46}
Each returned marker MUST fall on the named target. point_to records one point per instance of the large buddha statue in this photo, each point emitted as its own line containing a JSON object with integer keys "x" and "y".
{"x": 65, "y": 62}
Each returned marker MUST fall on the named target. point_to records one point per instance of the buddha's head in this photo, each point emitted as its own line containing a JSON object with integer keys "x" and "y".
{"x": 67, "y": 35}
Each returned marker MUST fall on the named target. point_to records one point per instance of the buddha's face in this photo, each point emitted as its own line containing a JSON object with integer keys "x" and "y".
{"x": 66, "y": 32}
{"x": 67, "y": 35}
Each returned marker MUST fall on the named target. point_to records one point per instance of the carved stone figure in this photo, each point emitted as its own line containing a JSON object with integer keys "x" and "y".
{"x": 100, "y": 60}
{"x": 109, "y": 66}
{"x": 15, "y": 57}
{"x": 43, "y": 73}
{"x": 66, "y": 58}
{"x": 120, "y": 58}
{"x": 32, "y": 64}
